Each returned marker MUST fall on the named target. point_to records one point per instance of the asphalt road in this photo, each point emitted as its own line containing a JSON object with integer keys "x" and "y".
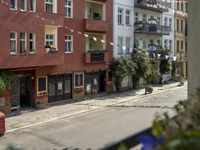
{"x": 95, "y": 129}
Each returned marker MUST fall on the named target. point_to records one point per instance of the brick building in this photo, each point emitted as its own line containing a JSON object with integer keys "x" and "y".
{"x": 55, "y": 49}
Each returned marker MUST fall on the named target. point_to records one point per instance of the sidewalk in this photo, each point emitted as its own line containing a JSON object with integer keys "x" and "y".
{"x": 41, "y": 116}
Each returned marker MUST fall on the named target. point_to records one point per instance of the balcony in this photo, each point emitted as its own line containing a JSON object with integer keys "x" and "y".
{"x": 155, "y": 29}
{"x": 96, "y": 57}
{"x": 96, "y": 25}
{"x": 154, "y": 5}
{"x": 95, "y": 16}
{"x": 31, "y": 60}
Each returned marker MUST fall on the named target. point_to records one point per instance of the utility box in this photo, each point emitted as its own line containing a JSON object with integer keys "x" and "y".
{"x": 2, "y": 124}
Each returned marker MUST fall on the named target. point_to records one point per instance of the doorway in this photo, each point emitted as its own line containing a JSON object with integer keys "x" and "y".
{"x": 59, "y": 87}
{"x": 21, "y": 91}
{"x": 102, "y": 78}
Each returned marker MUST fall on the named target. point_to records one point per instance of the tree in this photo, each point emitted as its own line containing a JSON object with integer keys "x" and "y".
{"x": 121, "y": 68}
{"x": 165, "y": 66}
{"x": 144, "y": 67}
{"x": 4, "y": 80}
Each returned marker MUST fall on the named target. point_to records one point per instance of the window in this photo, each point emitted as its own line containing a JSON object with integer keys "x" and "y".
{"x": 110, "y": 76}
{"x": 170, "y": 45}
{"x": 79, "y": 80}
{"x": 158, "y": 20}
{"x": 68, "y": 44}
{"x": 50, "y": 40}
{"x": 186, "y": 47}
{"x": 182, "y": 45}
{"x": 32, "y": 43}
{"x": 23, "y": 5}
{"x": 178, "y": 6}
{"x": 144, "y": 44}
{"x": 158, "y": 43}
{"x": 13, "y": 42}
{"x": 13, "y": 4}
{"x": 33, "y": 5}
{"x": 120, "y": 44}
{"x": 120, "y": 16}
{"x": 136, "y": 17}
{"x": 181, "y": 25}
{"x": 128, "y": 17}
{"x": 144, "y": 17}
{"x": 41, "y": 85}
{"x": 68, "y": 8}
{"x": 22, "y": 42}
{"x": 165, "y": 21}
{"x": 165, "y": 44}
{"x": 49, "y": 6}
{"x": 128, "y": 44}
{"x": 177, "y": 46}
{"x": 177, "y": 25}
{"x": 170, "y": 23}
{"x": 182, "y": 6}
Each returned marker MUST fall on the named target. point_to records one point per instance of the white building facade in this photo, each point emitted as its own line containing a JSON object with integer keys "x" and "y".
{"x": 168, "y": 20}
{"x": 123, "y": 32}
{"x": 123, "y": 27}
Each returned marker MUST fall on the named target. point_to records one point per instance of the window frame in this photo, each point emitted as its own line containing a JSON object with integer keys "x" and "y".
{"x": 15, "y": 39}
{"x": 69, "y": 41}
{"x": 120, "y": 16}
{"x": 34, "y": 43}
{"x": 47, "y": 2}
{"x": 128, "y": 41}
{"x": 128, "y": 17}
{"x": 11, "y": 8}
{"x": 136, "y": 17}
{"x": 49, "y": 39}
{"x": 25, "y": 43}
{"x": 34, "y": 6}
{"x": 120, "y": 50}
{"x": 177, "y": 46}
{"x": 39, "y": 93}
{"x": 83, "y": 82}
{"x": 25, "y": 5}
{"x": 68, "y": 7}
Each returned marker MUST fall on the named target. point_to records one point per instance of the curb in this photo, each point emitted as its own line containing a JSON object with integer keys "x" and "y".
{"x": 136, "y": 97}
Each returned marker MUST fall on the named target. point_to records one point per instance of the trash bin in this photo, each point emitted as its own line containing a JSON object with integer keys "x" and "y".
{"x": 2, "y": 124}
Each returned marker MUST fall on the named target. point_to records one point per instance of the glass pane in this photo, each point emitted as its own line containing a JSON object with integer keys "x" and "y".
{"x": 60, "y": 87}
{"x": 67, "y": 86}
{"x": 52, "y": 88}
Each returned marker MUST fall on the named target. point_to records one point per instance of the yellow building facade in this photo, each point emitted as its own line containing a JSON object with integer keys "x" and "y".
{"x": 181, "y": 37}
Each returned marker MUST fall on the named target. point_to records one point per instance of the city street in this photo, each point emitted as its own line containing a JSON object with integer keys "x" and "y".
{"x": 98, "y": 128}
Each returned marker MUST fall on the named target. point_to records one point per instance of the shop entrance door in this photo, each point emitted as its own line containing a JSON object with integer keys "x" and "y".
{"x": 59, "y": 87}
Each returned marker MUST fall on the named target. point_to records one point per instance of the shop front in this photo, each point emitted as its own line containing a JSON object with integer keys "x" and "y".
{"x": 95, "y": 82}
{"x": 59, "y": 87}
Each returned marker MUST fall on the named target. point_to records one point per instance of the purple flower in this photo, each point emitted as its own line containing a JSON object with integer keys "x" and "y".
{"x": 149, "y": 142}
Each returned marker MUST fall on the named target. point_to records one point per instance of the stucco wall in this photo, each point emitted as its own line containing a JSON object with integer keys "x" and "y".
{"x": 194, "y": 44}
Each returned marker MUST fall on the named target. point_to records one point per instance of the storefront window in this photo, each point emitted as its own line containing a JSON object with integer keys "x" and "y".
{"x": 78, "y": 79}
{"x": 42, "y": 84}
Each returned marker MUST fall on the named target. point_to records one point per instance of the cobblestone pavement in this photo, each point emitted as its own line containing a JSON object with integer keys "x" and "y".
{"x": 92, "y": 124}
{"x": 37, "y": 117}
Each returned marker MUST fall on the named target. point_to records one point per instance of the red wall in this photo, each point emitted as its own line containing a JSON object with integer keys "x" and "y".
{"x": 28, "y": 22}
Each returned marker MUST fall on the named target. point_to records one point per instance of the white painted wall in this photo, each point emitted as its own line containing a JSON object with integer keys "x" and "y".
{"x": 122, "y": 30}
{"x": 169, "y": 14}
{"x": 140, "y": 37}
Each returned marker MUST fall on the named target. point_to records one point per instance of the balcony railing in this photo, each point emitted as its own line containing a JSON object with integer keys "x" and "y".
{"x": 146, "y": 28}
{"x": 96, "y": 57}
{"x": 155, "y": 5}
